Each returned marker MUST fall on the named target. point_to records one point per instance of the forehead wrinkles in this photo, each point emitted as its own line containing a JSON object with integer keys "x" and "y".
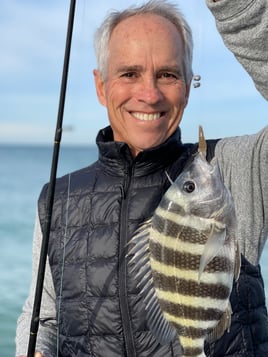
{"x": 155, "y": 30}
{"x": 133, "y": 26}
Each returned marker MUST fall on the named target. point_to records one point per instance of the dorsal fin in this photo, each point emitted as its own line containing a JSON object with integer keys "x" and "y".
{"x": 140, "y": 266}
{"x": 202, "y": 146}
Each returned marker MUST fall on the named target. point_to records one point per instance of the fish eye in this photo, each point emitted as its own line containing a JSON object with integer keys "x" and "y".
{"x": 189, "y": 186}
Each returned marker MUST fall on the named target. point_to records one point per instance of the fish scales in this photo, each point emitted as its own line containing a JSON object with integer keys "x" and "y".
{"x": 191, "y": 312}
{"x": 190, "y": 254}
{"x": 187, "y": 260}
{"x": 176, "y": 230}
{"x": 188, "y": 287}
{"x": 191, "y": 275}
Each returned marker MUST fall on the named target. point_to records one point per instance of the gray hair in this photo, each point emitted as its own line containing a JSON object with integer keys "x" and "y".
{"x": 158, "y": 7}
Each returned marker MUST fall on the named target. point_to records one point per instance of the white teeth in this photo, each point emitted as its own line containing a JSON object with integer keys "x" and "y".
{"x": 145, "y": 116}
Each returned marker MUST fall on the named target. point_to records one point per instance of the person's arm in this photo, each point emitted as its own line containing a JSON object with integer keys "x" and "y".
{"x": 243, "y": 25}
{"x": 46, "y": 338}
{"x": 244, "y": 165}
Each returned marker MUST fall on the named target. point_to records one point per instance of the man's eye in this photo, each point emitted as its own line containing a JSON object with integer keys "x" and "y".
{"x": 167, "y": 75}
{"x": 129, "y": 75}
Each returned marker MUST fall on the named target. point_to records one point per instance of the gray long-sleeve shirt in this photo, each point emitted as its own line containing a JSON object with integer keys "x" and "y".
{"x": 243, "y": 25}
{"x": 243, "y": 160}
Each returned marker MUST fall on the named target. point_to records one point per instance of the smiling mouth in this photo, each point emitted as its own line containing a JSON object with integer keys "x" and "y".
{"x": 146, "y": 116}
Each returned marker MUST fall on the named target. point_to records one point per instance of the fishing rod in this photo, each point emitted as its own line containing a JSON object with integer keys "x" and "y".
{"x": 51, "y": 188}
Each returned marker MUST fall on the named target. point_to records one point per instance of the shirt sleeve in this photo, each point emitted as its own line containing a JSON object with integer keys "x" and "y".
{"x": 47, "y": 332}
{"x": 243, "y": 163}
{"x": 243, "y": 25}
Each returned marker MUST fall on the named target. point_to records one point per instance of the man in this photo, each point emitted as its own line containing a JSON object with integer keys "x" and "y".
{"x": 93, "y": 307}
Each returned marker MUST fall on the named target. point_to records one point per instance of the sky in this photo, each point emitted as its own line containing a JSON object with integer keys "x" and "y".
{"x": 32, "y": 44}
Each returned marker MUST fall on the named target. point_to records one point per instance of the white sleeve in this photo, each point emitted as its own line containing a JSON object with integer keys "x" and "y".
{"x": 47, "y": 333}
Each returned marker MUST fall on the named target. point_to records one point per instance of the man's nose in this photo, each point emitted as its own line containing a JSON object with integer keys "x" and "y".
{"x": 150, "y": 91}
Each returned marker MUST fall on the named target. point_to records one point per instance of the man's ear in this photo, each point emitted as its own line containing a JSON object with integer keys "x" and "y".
{"x": 99, "y": 85}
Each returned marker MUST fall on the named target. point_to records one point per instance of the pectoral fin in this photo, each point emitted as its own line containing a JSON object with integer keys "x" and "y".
{"x": 214, "y": 243}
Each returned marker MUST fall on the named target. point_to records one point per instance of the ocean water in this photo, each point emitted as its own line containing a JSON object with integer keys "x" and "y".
{"x": 23, "y": 171}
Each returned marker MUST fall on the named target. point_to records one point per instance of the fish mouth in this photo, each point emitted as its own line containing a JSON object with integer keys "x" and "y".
{"x": 147, "y": 116}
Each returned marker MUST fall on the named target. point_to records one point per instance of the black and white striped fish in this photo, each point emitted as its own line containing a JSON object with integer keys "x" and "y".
{"x": 186, "y": 257}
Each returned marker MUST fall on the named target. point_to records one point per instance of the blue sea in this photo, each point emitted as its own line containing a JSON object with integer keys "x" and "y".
{"x": 23, "y": 171}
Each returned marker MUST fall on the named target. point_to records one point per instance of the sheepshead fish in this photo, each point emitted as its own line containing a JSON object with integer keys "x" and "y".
{"x": 186, "y": 257}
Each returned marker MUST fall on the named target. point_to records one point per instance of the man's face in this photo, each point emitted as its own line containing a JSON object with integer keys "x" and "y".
{"x": 144, "y": 92}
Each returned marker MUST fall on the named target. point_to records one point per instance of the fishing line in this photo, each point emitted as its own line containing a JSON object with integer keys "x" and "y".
{"x": 51, "y": 189}
{"x": 82, "y": 21}
{"x": 77, "y": 81}
{"x": 198, "y": 30}
{"x": 193, "y": 114}
{"x": 63, "y": 261}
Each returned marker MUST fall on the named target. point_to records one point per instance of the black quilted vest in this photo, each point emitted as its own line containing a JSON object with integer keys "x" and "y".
{"x": 96, "y": 211}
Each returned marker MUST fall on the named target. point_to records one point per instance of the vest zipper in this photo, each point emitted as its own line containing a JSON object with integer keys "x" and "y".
{"x": 123, "y": 298}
